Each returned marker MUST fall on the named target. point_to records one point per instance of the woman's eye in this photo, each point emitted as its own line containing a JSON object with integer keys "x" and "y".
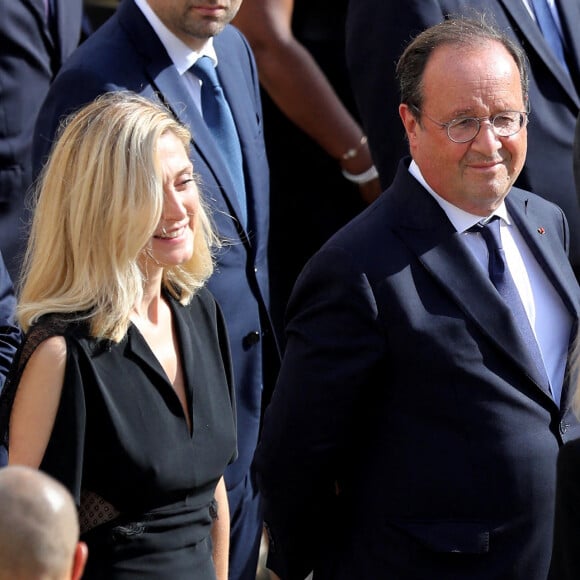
{"x": 185, "y": 180}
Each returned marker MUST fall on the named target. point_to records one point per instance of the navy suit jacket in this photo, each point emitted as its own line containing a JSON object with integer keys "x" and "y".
{"x": 29, "y": 59}
{"x": 10, "y": 334}
{"x": 374, "y": 44}
{"x": 405, "y": 386}
{"x": 125, "y": 53}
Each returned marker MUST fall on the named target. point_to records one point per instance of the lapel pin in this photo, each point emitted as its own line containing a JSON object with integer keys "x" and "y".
{"x": 541, "y": 231}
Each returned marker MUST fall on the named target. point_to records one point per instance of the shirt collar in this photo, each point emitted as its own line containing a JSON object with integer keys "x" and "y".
{"x": 461, "y": 220}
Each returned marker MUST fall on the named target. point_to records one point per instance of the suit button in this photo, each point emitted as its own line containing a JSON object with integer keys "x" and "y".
{"x": 251, "y": 339}
{"x": 563, "y": 427}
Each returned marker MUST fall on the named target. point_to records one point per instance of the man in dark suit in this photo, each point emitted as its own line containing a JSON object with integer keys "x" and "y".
{"x": 148, "y": 47}
{"x": 375, "y": 42}
{"x": 35, "y": 42}
{"x": 10, "y": 334}
{"x": 413, "y": 433}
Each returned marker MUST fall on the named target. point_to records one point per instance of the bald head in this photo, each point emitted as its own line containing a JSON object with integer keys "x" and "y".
{"x": 39, "y": 528}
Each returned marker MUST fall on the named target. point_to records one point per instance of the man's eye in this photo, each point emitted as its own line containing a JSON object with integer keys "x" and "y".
{"x": 503, "y": 121}
{"x": 463, "y": 123}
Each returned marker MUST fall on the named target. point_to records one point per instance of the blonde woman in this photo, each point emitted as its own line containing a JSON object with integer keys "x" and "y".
{"x": 123, "y": 389}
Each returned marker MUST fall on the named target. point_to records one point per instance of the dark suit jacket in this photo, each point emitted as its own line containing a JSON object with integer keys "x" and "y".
{"x": 566, "y": 554}
{"x": 377, "y": 32}
{"x": 576, "y": 154}
{"x": 29, "y": 59}
{"x": 9, "y": 332}
{"x": 405, "y": 382}
{"x": 125, "y": 53}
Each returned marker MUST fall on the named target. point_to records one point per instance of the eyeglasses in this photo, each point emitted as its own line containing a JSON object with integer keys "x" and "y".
{"x": 464, "y": 129}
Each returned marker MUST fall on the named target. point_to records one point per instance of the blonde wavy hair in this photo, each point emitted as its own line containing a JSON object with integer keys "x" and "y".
{"x": 98, "y": 202}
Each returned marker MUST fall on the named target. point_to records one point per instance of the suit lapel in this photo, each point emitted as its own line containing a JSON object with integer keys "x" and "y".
{"x": 570, "y": 17}
{"x": 235, "y": 85}
{"x": 544, "y": 243}
{"x": 38, "y": 9}
{"x": 534, "y": 38}
{"x": 68, "y": 27}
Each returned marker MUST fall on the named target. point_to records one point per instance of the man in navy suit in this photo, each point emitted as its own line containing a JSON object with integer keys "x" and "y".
{"x": 9, "y": 332}
{"x": 148, "y": 47}
{"x": 34, "y": 43}
{"x": 412, "y": 433}
{"x": 374, "y": 43}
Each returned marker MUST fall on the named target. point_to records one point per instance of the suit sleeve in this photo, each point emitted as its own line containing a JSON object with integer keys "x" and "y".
{"x": 10, "y": 335}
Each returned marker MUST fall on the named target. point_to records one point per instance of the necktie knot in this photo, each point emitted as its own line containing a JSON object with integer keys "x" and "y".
{"x": 205, "y": 70}
{"x": 491, "y": 234}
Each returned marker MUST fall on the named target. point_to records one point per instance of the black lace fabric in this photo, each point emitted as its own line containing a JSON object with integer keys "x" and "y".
{"x": 93, "y": 510}
{"x": 46, "y": 327}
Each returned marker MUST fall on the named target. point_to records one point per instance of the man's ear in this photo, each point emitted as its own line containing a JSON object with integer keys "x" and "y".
{"x": 409, "y": 120}
{"x": 79, "y": 560}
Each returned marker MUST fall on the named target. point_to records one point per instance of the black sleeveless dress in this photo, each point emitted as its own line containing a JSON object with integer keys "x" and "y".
{"x": 144, "y": 483}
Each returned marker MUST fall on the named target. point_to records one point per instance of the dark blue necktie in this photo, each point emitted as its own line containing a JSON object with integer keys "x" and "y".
{"x": 501, "y": 278}
{"x": 218, "y": 117}
{"x": 549, "y": 28}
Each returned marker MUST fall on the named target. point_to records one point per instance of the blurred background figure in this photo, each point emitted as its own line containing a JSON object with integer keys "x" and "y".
{"x": 36, "y": 37}
{"x": 377, "y": 32}
{"x": 9, "y": 333}
{"x": 39, "y": 528}
{"x": 311, "y": 129}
